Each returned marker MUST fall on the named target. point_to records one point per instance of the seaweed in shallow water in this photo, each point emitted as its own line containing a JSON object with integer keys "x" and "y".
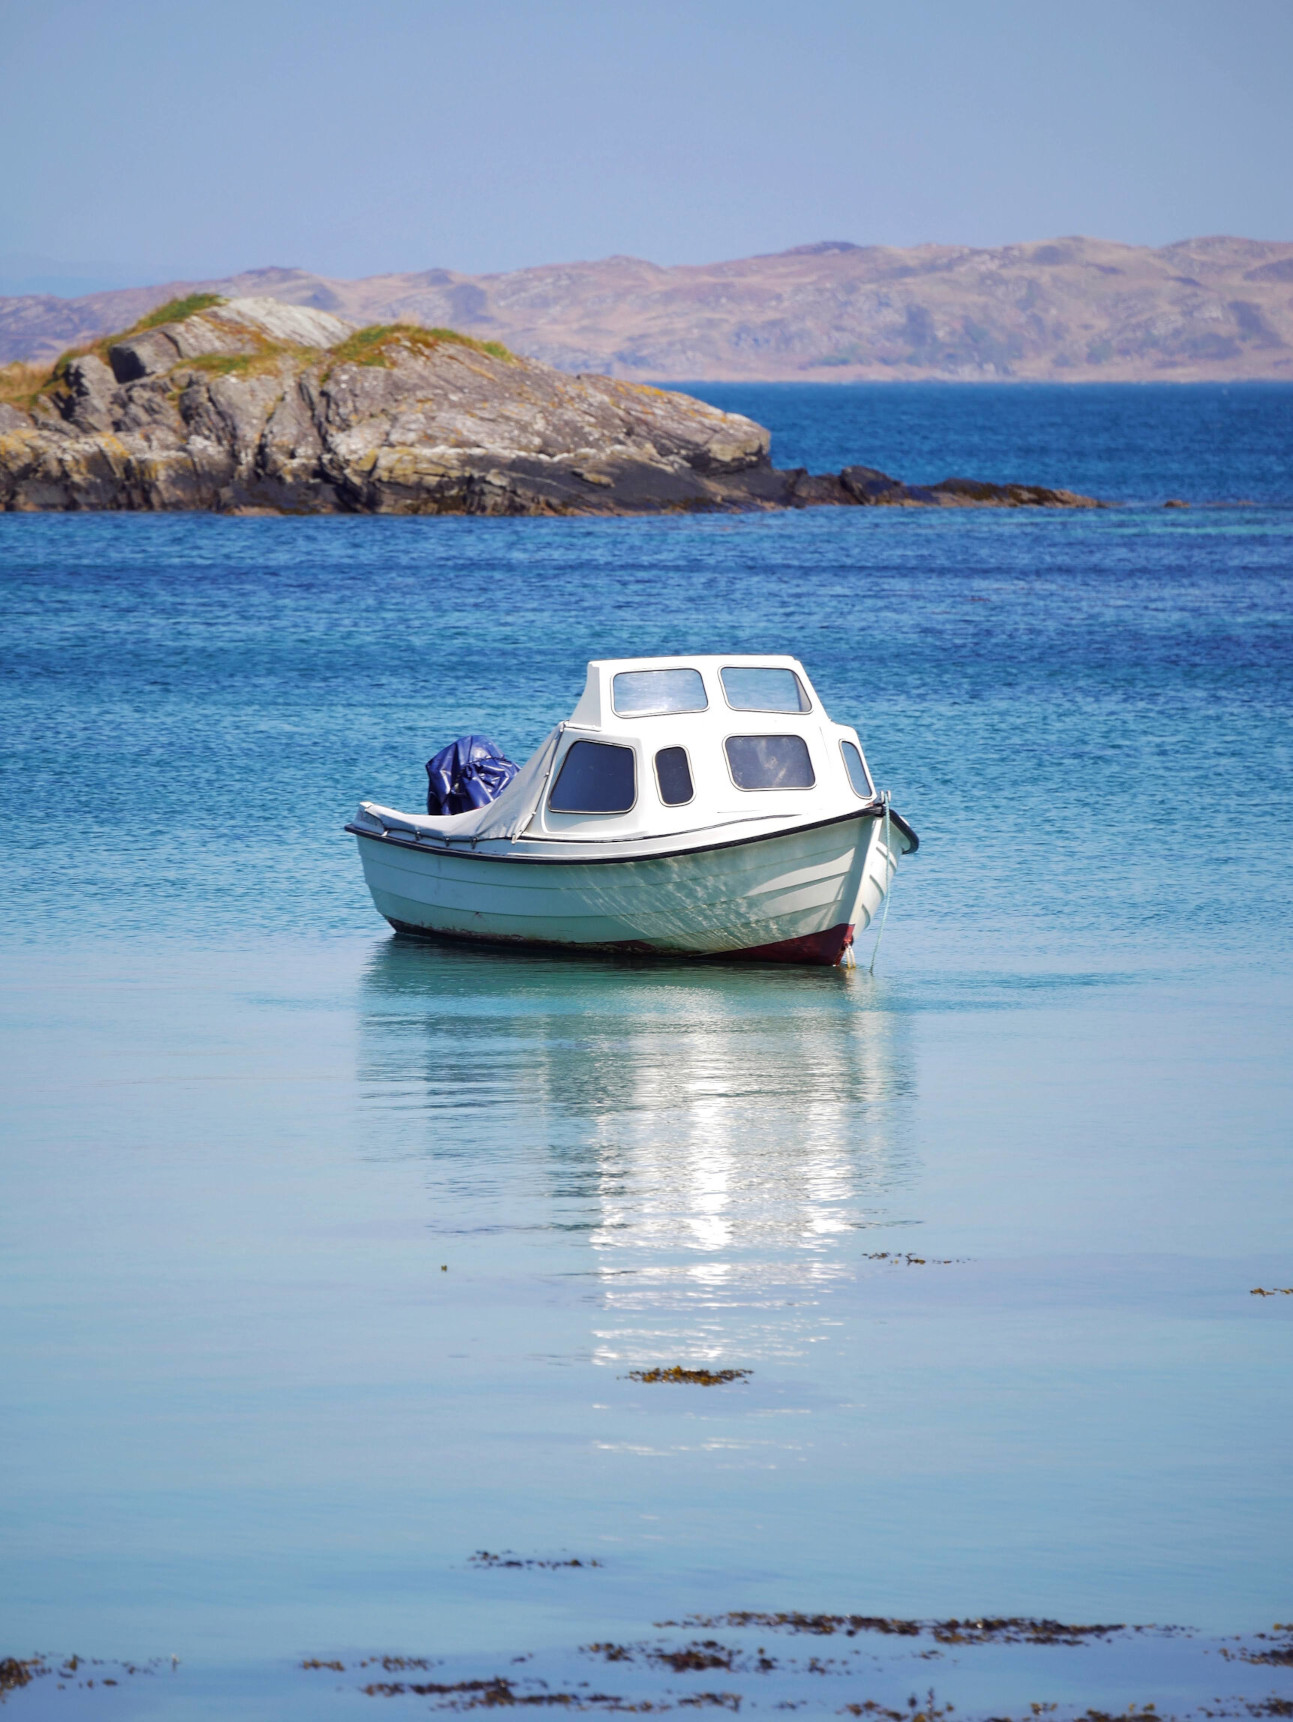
{"x": 484, "y": 1558}
{"x": 930, "y": 1711}
{"x": 694, "y": 1377}
{"x": 1279, "y": 1655}
{"x": 911, "y": 1261}
{"x": 14, "y": 1673}
{"x": 995, "y": 1629}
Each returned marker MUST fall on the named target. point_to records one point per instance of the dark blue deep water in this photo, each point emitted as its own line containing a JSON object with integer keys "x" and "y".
{"x": 324, "y": 1257}
{"x": 1207, "y": 443}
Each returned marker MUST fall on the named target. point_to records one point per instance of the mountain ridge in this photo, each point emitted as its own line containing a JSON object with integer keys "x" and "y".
{"x": 1074, "y": 309}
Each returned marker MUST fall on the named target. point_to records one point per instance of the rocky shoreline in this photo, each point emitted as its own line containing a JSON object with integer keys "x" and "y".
{"x": 256, "y": 406}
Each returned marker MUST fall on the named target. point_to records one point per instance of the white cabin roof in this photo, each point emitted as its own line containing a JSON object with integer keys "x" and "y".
{"x": 596, "y": 707}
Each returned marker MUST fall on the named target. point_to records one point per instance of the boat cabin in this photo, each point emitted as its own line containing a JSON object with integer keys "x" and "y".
{"x": 663, "y": 745}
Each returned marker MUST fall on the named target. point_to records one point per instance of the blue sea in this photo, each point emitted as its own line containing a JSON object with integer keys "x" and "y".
{"x": 325, "y": 1256}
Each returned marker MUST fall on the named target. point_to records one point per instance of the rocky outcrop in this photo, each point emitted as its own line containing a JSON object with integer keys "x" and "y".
{"x": 251, "y": 405}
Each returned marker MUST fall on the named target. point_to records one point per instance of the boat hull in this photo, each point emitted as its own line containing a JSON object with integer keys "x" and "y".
{"x": 794, "y": 896}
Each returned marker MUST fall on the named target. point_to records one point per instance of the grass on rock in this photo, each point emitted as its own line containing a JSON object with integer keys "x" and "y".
{"x": 22, "y": 384}
{"x": 376, "y": 344}
{"x": 173, "y": 311}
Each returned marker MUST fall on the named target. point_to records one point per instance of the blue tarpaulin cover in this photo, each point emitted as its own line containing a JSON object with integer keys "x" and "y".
{"x": 470, "y": 772}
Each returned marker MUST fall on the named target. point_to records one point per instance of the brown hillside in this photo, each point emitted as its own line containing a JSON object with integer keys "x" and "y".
{"x": 1073, "y": 310}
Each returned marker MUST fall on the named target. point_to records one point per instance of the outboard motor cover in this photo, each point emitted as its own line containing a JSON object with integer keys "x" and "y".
{"x": 470, "y": 772}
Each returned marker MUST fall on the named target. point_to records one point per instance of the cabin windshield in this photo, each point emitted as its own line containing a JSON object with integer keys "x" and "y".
{"x": 748, "y": 689}
{"x": 652, "y": 693}
{"x": 595, "y": 777}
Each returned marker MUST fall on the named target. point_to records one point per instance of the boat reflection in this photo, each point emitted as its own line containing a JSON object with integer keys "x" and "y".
{"x": 717, "y": 1134}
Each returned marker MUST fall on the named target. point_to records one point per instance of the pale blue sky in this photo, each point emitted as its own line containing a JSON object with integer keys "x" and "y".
{"x": 150, "y": 137}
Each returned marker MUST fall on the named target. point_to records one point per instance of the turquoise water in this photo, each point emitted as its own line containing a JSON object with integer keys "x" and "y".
{"x": 326, "y": 1256}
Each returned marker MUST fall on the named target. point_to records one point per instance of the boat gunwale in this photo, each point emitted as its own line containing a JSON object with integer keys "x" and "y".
{"x": 414, "y": 842}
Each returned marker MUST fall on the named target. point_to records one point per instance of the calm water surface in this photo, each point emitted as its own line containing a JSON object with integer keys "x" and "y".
{"x": 326, "y": 1255}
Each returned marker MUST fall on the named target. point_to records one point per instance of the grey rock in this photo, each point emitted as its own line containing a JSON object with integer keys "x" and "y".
{"x": 294, "y": 325}
{"x": 240, "y": 409}
{"x": 88, "y": 399}
{"x": 156, "y": 351}
{"x": 143, "y": 355}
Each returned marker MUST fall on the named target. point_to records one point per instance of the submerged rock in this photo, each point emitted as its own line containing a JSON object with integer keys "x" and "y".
{"x": 251, "y": 405}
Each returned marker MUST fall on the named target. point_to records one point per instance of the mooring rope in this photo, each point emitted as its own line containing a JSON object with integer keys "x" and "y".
{"x": 885, "y": 882}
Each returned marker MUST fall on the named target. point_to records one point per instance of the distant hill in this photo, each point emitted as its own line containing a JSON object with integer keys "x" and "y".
{"x": 1071, "y": 310}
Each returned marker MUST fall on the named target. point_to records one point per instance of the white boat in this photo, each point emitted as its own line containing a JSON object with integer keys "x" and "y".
{"x": 702, "y": 806}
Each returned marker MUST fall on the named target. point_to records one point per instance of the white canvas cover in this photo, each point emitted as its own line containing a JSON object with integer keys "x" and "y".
{"x": 506, "y": 817}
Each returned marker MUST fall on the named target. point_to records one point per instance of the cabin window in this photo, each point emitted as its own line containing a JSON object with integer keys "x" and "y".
{"x": 757, "y": 690}
{"x": 859, "y": 776}
{"x": 595, "y": 778}
{"x": 673, "y": 774}
{"x": 769, "y": 762}
{"x": 652, "y": 693}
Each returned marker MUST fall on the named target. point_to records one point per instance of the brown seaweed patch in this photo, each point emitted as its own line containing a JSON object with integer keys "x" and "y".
{"x": 1271, "y": 1706}
{"x": 792, "y": 1621}
{"x": 910, "y": 1261}
{"x": 1271, "y": 1291}
{"x": 389, "y": 1664}
{"x": 1018, "y": 1631}
{"x": 695, "y": 1658}
{"x": 485, "y": 1558}
{"x": 15, "y": 1672}
{"x": 1279, "y": 1655}
{"x": 1133, "y": 1713}
{"x": 694, "y": 1377}
{"x": 495, "y": 1691}
{"x": 493, "y": 1694}
{"x": 930, "y": 1711}
{"x": 396, "y": 1664}
{"x": 994, "y": 1629}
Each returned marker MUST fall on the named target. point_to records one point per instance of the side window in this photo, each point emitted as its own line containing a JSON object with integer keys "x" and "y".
{"x": 595, "y": 777}
{"x": 769, "y": 762}
{"x": 859, "y": 777}
{"x": 673, "y": 774}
